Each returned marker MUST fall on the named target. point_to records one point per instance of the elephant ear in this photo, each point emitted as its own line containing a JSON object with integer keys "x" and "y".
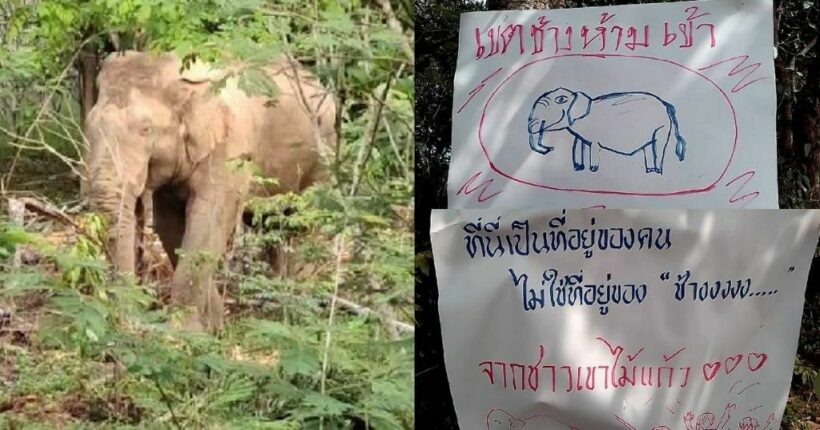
{"x": 206, "y": 127}
{"x": 210, "y": 121}
{"x": 579, "y": 107}
{"x": 212, "y": 127}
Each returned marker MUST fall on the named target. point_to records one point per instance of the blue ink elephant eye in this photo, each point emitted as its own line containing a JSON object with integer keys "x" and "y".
{"x": 561, "y": 100}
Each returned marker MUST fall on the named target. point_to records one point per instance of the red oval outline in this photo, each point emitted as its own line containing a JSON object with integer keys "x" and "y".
{"x": 623, "y": 193}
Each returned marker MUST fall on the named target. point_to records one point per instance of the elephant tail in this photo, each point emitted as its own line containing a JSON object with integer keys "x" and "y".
{"x": 680, "y": 146}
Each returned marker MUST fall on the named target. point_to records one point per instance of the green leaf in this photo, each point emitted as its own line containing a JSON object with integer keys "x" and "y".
{"x": 235, "y": 390}
{"x": 255, "y": 82}
{"x": 296, "y": 361}
{"x": 143, "y": 14}
{"x": 423, "y": 260}
{"x": 323, "y": 405}
{"x": 817, "y": 384}
{"x": 269, "y": 329}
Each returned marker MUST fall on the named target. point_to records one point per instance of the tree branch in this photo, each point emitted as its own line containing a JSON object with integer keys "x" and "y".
{"x": 395, "y": 25}
{"x": 372, "y": 141}
{"x": 6, "y": 178}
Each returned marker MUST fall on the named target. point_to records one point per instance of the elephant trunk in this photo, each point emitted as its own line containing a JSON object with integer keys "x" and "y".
{"x": 117, "y": 202}
{"x": 536, "y": 132}
{"x": 116, "y": 180}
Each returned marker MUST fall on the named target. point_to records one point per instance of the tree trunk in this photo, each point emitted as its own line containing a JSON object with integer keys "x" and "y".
{"x": 524, "y": 4}
{"x": 89, "y": 63}
{"x": 785, "y": 74}
{"x": 807, "y": 120}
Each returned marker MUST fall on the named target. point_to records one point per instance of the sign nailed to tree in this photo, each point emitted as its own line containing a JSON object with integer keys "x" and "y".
{"x": 652, "y": 106}
{"x": 621, "y": 319}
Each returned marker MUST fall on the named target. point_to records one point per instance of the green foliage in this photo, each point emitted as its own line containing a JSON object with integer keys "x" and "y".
{"x": 103, "y": 351}
{"x": 349, "y": 44}
{"x": 264, "y": 370}
{"x": 807, "y": 376}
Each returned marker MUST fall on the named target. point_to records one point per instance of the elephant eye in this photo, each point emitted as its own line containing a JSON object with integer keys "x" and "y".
{"x": 145, "y": 130}
{"x": 561, "y": 100}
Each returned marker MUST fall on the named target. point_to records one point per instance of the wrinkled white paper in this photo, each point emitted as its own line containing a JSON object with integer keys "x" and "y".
{"x": 642, "y": 106}
{"x": 621, "y": 319}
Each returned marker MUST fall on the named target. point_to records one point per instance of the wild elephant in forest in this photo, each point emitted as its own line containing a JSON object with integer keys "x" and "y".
{"x": 160, "y": 131}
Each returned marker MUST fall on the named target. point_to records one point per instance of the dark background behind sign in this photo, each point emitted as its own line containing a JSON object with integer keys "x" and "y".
{"x": 798, "y": 148}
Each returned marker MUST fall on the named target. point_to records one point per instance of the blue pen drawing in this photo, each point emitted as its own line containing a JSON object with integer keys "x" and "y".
{"x": 624, "y": 123}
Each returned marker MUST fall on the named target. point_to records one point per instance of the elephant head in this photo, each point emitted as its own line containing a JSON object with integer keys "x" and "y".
{"x": 143, "y": 117}
{"x": 552, "y": 111}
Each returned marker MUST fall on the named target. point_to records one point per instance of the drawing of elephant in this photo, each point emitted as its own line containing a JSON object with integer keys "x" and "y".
{"x": 499, "y": 419}
{"x": 624, "y": 123}
{"x": 708, "y": 420}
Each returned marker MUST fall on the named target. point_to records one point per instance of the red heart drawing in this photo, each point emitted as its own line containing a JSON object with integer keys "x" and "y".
{"x": 760, "y": 358}
{"x": 732, "y": 362}
{"x": 710, "y": 370}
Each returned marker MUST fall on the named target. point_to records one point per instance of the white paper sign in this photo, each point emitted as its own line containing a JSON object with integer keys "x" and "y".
{"x": 642, "y": 106}
{"x": 621, "y": 319}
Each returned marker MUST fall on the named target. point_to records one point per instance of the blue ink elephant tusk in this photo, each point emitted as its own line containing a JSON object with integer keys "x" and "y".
{"x": 624, "y": 123}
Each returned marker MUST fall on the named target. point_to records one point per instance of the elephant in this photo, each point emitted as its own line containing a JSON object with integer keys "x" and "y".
{"x": 192, "y": 146}
{"x": 624, "y": 123}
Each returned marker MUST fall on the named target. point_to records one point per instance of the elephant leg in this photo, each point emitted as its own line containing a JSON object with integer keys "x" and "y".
{"x": 648, "y": 159}
{"x": 667, "y": 136}
{"x": 653, "y": 150}
{"x": 147, "y": 199}
{"x": 139, "y": 237}
{"x": 578, "y": 154}
{"x": 657, "y": 162}
{"x": 211, "y": 217}
{"x": 169, "y": 220}
{"x": 594, "y": 156}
